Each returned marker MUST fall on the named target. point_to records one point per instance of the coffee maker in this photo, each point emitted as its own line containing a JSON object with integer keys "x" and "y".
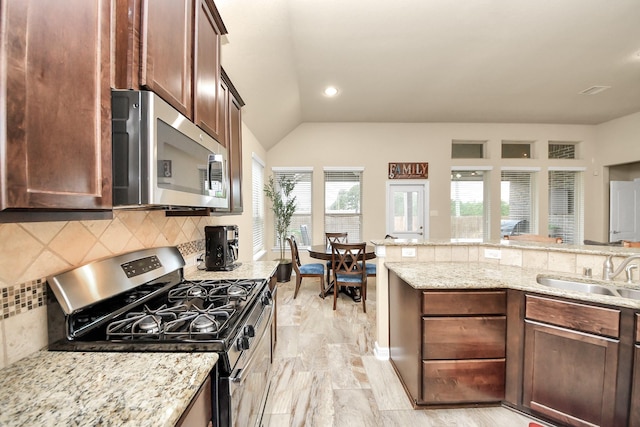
{"x": 221, "y": 247}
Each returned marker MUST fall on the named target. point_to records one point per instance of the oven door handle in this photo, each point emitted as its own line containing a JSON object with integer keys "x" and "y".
{"x": 239, "y": 377}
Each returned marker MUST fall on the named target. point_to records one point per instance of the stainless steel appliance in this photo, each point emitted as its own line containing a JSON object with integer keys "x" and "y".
{"x": 160, "y": 158}
{"x": 140, "y": 301}
{"x": 221, "y": 247}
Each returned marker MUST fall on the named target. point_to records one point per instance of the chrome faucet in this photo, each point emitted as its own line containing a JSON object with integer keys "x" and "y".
{"x": 608, "y": 273}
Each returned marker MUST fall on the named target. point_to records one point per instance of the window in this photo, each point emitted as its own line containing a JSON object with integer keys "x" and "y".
{"x": 302, "y": 218}
{"x": 566, "y": 205}
{"x": 469, "y": 205}
{"x": 257, "y": 196}
{"x": 517, "y": 200}
{"x": 342, "y": 202}
{"x": 562, "y": 150}
{"x": 467, "y": 149}
{"x": 516, "y": 150}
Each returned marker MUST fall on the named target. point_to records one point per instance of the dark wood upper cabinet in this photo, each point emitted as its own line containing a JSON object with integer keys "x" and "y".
{"x": 56, "y": 141}
{"x": 206, "y": 65}
{"x": 231, "y": 114}
{"x": 172, "y": 47}
{"x": 235, "y": 153}
{"x": 166, "y": 35}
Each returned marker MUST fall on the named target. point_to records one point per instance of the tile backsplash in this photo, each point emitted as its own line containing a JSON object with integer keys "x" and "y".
{"x": 29, "y": 252}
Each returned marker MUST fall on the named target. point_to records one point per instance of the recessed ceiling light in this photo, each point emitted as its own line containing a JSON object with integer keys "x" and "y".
{"x": 330, "y": 91}
{"x": 594, "y": 89}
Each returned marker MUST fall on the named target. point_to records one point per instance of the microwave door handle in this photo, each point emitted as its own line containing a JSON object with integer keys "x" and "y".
{"x": 210, "y": 172}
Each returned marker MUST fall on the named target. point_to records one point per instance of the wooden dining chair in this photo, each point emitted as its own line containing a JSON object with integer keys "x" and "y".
{"x": 329, "y": 238}
{"x": 349, "y": 267}
{"x": 304, "y": 270}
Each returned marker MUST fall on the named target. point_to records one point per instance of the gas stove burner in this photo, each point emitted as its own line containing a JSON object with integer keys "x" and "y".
{"x": 196, "y": 291}
{"x": 237, "y": 291}
{"x": 148, "y": 324}
{"x": 204, "y": 323}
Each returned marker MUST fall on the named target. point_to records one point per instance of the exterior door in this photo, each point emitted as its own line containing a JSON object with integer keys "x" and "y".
{"x": 407, "y": 207}
{"x": 624, "y": 211}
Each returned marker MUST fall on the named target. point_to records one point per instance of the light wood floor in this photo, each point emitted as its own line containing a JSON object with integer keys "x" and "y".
{"x": 325, "y": 372}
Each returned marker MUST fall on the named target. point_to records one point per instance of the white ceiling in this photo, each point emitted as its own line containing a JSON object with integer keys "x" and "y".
{"x": 499, "y": 61}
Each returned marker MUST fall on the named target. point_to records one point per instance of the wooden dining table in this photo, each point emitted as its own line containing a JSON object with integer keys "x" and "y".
{"x": 323, "y": 252}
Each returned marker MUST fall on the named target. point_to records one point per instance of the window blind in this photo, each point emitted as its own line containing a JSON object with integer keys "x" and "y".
{"x": 566, "y": 199}
{"x": 517, "y": 197}
{"x": 257, "y": 201}
{"x": 342, "y": 203}
{"x": 300, "y": 226}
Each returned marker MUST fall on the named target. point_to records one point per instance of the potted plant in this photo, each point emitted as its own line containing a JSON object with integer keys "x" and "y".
{"x": 283, "y": 205}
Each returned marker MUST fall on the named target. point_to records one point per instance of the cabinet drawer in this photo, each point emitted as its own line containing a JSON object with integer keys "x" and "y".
{"x": 460, "y": 303}
{"x": 463, "y": 337}
{"x": 463, "y": 381}
{"x": 586, "y": 318}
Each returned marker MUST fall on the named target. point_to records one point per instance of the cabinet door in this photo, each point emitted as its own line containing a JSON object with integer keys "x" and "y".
{"x": 634, "y": 415}
{"x": 462, "y": 381}
{"x": 464, "y": 337}
{"x": 56, "y": 140}
{"x": 166, "y": 37}
{"x": 570, "y": 376}
{"x": 235, "y": 154}
{"x": 207, "y": 71}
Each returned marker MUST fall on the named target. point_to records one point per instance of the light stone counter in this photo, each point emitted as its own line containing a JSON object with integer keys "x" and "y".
{"x": 459, "y": 275}
{"x": 551, "y": 247}
{"x": 249, "y": 270}
{"x": 107, "y": 389}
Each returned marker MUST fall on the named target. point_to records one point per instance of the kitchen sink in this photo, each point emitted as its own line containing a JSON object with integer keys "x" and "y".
{"x": 590, "y": 288}
{"x": 570, "y": 285}
{"x": 628, "y": 293}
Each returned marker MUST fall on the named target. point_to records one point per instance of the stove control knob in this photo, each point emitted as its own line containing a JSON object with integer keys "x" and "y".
{"x": 267, "y": 299}
{"x": 243, "y": 343}
{"x": 249, "y": 331}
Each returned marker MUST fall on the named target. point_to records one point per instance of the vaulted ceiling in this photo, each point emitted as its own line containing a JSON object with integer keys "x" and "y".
{"x": 498, "y": 61}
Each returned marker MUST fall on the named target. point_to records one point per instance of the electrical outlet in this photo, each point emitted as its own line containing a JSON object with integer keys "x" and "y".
{"x": 408, "y": 252}
{"x": 492, "y": 253}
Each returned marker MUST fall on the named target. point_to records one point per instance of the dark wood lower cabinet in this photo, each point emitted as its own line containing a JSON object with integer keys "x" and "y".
{"x": 448, "y": 347}
{"x": 634, "y": 413}
{"x": 570, "y": 376}
{"x": 570, "y": 362}
{"x": 578, "y": 359}
{"x": 460, "y": 381}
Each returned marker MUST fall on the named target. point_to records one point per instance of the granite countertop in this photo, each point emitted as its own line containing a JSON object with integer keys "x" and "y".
{"x": 460, "y": 275}
{"x": 250, "y": 270}
{"x": 97, "y": 388}
{"x": 551, "y": 247}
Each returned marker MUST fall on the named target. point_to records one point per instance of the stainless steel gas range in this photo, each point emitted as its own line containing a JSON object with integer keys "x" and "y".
{"x": 140, "y": 301}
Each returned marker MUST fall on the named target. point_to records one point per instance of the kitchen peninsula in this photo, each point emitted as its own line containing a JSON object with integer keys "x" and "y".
{"x": 469, "y": 324}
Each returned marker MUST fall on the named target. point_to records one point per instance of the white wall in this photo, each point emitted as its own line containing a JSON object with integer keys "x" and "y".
{"x": 618, "y": 143}
{"x": 374, "y": 145}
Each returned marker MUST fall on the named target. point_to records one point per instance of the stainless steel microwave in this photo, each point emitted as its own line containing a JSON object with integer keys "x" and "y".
{"x": 161, "y": 158}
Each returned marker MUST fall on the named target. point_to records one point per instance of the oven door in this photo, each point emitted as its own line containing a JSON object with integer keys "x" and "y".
{"x": 249, "y": 384}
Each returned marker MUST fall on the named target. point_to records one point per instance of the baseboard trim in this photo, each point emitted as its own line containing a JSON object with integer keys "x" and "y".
{"x": 381, "y": 353}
